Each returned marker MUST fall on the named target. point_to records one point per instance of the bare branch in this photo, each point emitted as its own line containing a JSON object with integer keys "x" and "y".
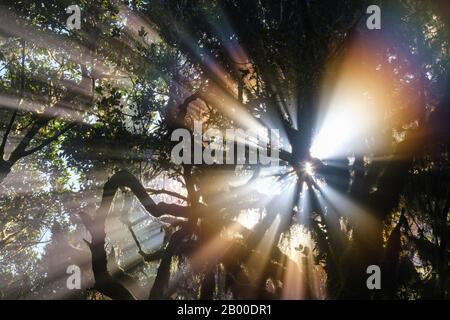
{"x": 49, "y": 140}
{"x": 168, "y": 192}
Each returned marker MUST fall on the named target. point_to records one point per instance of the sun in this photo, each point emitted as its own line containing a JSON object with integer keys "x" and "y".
{"x": 308, "y": 168}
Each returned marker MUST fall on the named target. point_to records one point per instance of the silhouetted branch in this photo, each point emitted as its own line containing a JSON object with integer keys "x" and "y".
{"x": 104, "y": 282}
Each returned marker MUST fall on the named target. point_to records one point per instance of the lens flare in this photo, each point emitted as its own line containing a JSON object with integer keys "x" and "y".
{"x": 308, "y": 168}
{"x": 355, "y": 106}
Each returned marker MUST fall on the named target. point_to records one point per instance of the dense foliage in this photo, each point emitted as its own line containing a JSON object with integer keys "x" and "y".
{"x": 86, "y": 176}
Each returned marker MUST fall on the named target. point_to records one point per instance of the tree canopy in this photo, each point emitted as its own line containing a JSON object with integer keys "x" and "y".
{"x": 86, "y": 176}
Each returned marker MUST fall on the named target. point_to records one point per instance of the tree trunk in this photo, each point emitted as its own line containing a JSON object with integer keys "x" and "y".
{"x": 5, "y": 169}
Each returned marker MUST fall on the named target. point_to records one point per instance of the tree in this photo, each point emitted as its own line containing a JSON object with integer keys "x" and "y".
{"x": 312, "y": 70}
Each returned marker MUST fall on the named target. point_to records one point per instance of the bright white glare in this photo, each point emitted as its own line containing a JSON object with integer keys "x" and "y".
{"x": 353, "y": 111}
{"x": 249, "y": 217}
{"x": 349, "y": 121}
{"x": 308, "y": 168}
{"x": 336, "y": 130}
